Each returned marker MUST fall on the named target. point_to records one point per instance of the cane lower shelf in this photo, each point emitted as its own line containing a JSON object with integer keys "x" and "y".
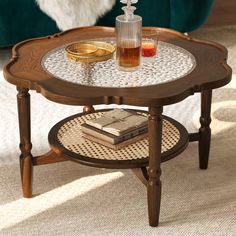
{"x": 66, "y": 137}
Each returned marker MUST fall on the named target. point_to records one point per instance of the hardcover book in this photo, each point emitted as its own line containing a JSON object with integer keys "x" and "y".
{"x": 118, "y": 145}
{"x": 119, "y": 122}
{"x": 111, "y": 138}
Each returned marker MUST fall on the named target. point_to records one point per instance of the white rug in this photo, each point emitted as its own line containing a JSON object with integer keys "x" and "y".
{"x": 71, "y": 199}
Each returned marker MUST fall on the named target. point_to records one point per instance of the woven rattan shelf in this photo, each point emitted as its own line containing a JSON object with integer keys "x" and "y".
{"x": 66, "y": 137}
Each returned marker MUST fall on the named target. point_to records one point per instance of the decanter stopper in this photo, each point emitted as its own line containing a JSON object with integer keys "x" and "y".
{"x": 128, "y": 38}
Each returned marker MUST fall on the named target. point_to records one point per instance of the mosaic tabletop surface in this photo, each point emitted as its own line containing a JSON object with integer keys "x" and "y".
{"x": 171, "y": 63}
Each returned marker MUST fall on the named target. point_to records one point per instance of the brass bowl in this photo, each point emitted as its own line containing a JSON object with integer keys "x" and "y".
{"x": 105, "y": 51}
{"x": 81, "y": 49}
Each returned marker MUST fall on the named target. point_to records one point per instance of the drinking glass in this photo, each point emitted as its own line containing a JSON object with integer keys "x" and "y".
{"x": 149, "y": 44}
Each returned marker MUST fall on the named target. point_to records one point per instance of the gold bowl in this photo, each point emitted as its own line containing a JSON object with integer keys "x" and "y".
{"x": 105, "y": 51}
{"x": 81, "y": 49}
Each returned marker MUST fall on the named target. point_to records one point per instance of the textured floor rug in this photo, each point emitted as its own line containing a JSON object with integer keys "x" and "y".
{"x": 71, "y": 199}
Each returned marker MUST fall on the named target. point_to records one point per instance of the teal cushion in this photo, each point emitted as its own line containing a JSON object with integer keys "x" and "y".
{"x": 22, "y": 19}
{"x": 152, "y": 16}
{"x": 188, "y": 15}
{"x": 182, "y": 15}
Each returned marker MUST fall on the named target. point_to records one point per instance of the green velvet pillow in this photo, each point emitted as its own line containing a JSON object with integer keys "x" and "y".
{"x": 188, "y": 15}
{"x": 22, "y": 19}
{"x": 152, "y": 14}
{"x": 182, "y": 15}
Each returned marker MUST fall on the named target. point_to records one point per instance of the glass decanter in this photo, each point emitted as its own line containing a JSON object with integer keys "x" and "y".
{"x": 128, "y": 38}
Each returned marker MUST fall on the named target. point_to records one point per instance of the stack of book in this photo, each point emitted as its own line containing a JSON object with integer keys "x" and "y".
{"x": 116, "y": 128}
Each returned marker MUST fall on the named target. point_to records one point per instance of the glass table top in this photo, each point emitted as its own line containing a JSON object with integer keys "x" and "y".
{"x": 171, "y": 63}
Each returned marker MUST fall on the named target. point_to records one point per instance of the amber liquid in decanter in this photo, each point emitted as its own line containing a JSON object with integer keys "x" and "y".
{"x": 129, "y": 56}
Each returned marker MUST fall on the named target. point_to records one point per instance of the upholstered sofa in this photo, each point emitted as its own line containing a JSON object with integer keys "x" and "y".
{"x": 23, "y": 19}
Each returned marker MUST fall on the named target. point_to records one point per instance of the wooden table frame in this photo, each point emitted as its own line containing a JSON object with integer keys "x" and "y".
{"x": 25, "y": 71}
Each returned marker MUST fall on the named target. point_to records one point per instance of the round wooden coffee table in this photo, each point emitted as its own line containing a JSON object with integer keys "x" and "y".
{"x": 184, "y": 66}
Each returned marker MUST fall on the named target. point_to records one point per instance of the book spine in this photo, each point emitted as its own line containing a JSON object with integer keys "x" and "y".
{"x": 99, "y": 141}
{"x": 115, "y": 146}
{"x": 117, "y": 139}
{"x": 132, "y": 134}
{"x": 98, "y": 135}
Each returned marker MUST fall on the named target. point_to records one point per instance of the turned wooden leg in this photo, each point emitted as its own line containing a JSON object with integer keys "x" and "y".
{"x": 26, "y": 159}
{"x": 88, "y": 109}
{"x": 205, "y": 130}
{"x": 154, "y": 170}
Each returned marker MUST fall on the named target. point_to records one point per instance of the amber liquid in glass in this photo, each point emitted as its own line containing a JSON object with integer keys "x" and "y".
{"x": 128, "y": 56}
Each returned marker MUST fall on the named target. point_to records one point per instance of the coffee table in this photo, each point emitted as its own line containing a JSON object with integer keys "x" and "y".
{"x": 184, "y": 66}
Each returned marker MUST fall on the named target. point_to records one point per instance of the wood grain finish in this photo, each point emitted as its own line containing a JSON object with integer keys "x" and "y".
{"x": 88, "y": 109}
{"x": 26, "y": 158}
{"x": 25, "y": 70}
{"x": 48, "y": 158}
{"x": 154, "y": 170}
{"x": 142, "y": 175}
{"x": 205, "y": 130}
